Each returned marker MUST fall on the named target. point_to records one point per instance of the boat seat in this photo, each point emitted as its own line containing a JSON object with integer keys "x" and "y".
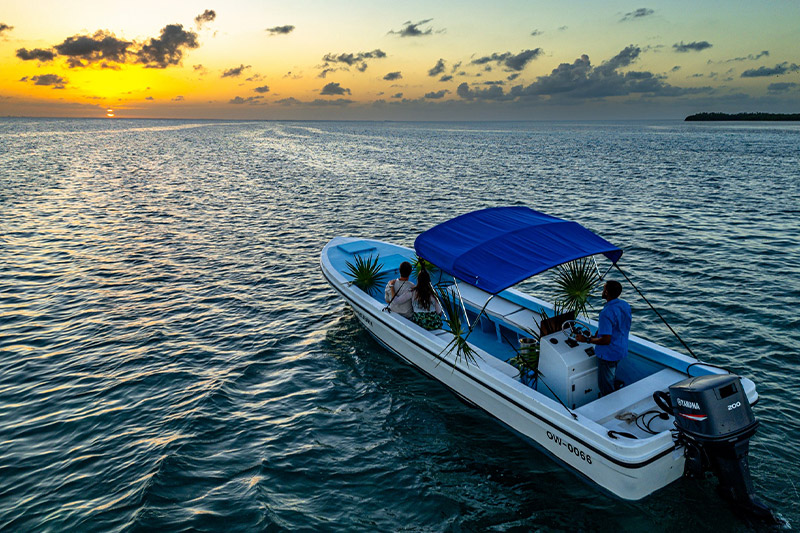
{"x": 356, "y": 247}
{"x": 626, "y": 398}
{"x": 390, "y": 264}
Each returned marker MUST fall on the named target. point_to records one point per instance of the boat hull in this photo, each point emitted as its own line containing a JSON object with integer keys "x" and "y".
{"x": 627, "y": 469}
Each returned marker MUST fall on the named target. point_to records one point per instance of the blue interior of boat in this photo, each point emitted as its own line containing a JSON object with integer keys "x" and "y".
{"x": 491, "y": 334}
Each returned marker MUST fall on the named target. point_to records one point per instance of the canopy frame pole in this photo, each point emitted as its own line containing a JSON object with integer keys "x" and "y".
{"x": 477, "y": 318}
{"x": 597, "y": 267}
{"x": 479, "y": 314}
{"x": 607, "y": 271}
{"x": 461, "y": 300}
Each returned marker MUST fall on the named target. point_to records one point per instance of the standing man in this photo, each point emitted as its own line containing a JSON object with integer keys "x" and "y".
{"x": 614, "y": 326}
{"x": 398, "y": 287}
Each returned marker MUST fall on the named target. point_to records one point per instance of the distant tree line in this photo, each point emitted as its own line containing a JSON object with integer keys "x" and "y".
{"x": 742, "y": 116}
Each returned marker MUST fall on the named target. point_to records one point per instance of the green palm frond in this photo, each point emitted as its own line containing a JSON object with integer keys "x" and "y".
{"x": 575, "y": 281}
{"x": 365, "y": 273}
{"x": 418, "y": 264}
{"x": 459, "y": 343}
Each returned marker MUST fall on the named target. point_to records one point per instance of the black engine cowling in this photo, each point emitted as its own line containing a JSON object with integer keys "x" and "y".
{"x": 715, "y": 423}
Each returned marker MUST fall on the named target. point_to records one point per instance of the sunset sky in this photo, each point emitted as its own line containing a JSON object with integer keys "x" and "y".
{"x": 465, "y": 60}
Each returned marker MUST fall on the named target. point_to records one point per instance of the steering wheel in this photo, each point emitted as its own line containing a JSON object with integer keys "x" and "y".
{"x": 571, "y": 328}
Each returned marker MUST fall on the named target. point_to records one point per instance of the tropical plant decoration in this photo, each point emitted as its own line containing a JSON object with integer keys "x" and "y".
{"x": 366, "y": 273}
{"x": 418, "y": 264}
{"x": 575, "y": 282}
{"x": 459, "y": 343}
{"x": 527, "y": 361}
{"x": 527, "y": 358}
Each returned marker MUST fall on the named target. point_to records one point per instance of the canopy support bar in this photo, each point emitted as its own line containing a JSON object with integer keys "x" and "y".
{"x": 463, "y": 307}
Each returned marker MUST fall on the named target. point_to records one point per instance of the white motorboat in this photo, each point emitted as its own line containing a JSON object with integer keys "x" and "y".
{"x": 631, "y": 442}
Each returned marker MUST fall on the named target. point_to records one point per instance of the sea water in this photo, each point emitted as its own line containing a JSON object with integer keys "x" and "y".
{"x": 172, "y": 359}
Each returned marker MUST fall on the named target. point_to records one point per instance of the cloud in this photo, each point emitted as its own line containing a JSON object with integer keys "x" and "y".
{"x": 280, "y": 30}
{"x": 694, "y": 46}
{"x": 582, "y": 80}
{"x": 262, "y": 89}
{"x": 393, "y": 76}
{"x": 4, "y": 28}
{"x": 337, "y": 102}
{"x": 333, "y": 89}
{"x": 178, "y": 98}
{"x": 493, "y": 92}
{"x": 167, "y": 49}
{"x": 251, "y": 100}
{"x": 327, "y": 71}
{"x": 676, "y": 68}
{"x": 397, "y": 95}
{"x": 446, "y": 77}
{"x": 359, "y": 60}
{"x": 781, "y": 87}
{"x": 777, "y": 70}
{"x": 436, "y": 95}
{"x": 149, "y": 98}
{"x": 105, "y": 49}
{"x": 82, "y": 50}
{"x": 35, "y": 54}
{"x": 235, "y": 72}
{"x": 350, "y": 59}
{"x": 764, "y": 72}
{"x": 509, "y": 60}
{"x": 288, "y": 101}
{"x": 748, "y": 57}
{"x": 206, "y": 16}
{"x": 563, "y": 28}
{"x": 54, "y": 80}
{"x": 410, "y": 29}
{"x": 637, "y": 14}
{"x": 437, "y": 69}
{"x": 536, "y": 33}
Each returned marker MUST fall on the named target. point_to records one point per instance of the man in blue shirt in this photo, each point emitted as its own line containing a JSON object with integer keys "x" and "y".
{"x": 614, "y": 326}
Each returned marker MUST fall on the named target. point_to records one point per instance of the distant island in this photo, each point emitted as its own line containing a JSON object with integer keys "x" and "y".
{"x": 707, "y": 117}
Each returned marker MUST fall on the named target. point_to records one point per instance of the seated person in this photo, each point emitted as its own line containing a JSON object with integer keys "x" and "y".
{"x": 397, "y": 289}
{"x": 426, "y": 307}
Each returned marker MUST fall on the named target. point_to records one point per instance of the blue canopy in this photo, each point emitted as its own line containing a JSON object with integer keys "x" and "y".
{"x": 496, "y": 248}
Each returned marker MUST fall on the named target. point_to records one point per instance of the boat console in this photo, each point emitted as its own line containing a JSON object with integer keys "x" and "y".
{"x": 569, "y": 368}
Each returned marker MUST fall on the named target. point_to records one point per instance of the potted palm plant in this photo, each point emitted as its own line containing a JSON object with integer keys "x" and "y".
{"x": 575, "y": 282}
{"x": 366, "y": 273}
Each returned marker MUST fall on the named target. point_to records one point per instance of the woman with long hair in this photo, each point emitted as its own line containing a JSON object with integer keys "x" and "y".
{"x": 425, "y": 304}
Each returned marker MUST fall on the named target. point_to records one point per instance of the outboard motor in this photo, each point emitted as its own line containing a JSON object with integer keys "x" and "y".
{"x": 715, "y": 423}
